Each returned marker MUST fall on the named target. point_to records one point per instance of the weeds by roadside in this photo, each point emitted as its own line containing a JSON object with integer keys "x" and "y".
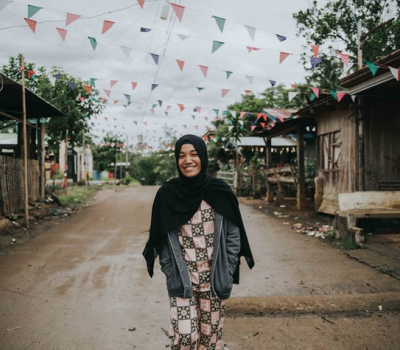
{"x": 76, "y": 194}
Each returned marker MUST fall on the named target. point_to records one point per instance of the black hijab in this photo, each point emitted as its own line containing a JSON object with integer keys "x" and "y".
{"x": 178, "y": 199}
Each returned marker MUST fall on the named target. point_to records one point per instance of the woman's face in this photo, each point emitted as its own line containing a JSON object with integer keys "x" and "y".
{"x": 189, "y": 162}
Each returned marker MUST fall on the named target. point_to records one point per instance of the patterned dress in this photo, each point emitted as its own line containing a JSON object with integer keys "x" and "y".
{"x": 197, "y": 322}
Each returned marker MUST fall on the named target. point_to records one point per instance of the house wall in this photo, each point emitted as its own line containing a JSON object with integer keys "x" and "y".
{"x": 382, "y": 142}
{"x": 341, "y": 117}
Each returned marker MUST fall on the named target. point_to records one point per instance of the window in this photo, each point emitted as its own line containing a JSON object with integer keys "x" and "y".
{"x": 330, "y": 145}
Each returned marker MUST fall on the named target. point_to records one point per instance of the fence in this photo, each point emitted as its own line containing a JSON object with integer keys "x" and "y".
{"x": 229, "y": 177}
{"x": 11, "y": 184}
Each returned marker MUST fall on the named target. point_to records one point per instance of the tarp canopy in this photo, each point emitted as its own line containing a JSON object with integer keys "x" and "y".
{"x": 11, "y": 102}
{"x": 259, "y": 142}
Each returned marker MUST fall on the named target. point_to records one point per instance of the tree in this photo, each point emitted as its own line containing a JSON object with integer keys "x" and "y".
{"x": 72, "y": 96}
{"x": 105, "y": 154}
{"x": 333, "y": 23}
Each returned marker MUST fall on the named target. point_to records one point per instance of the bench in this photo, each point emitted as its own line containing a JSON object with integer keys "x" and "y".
{"x": 282, "y": 177}
{"x": 366, "y": 205}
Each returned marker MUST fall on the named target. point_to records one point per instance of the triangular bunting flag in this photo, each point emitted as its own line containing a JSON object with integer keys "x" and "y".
{"x": 204, "y": 70}
{"x": 250, "y": 79}
{"x": 115, "y": 102}
{"x": 183, "y": 37}
{"x": 113, "y": 82}
{"x": 315, "y": 91}
{"x": 272, "y": 82}
{"x": 224, "y": 92}
{"x": 395, "y": 72}
{"x": 250, "y": 48}
{"x": 292, "y": 95}
{"x": 372, "y": 67}
{"x": 345, "y": 58}
{"x": 87, "y": 88}
{"x": 340, "y": 95}
{"x": 198, "y": 109}
{"x": 141, "y": 3}
{"x": 233, "y": 113}
{"x": 247, "y": 92}
{"x": 216, "y": 45}
{"x": 216, "y": 111}
{"x": 200, "y": 88}
{"x": 153, "y": 86}
{"x": 180, "y": 64}
{"x": 280, "y": 37}
{"x": 253, "y": 127}
{"x": 145, "y": 30}
{"x": 108, "y": 92}
{"x": 334, "y": 94}
{"x": 126, "y": 51}
{"x": 134, "y": 86}
{"x": 31, "y": 74}
{"x": 166, "y": 113}
{"x": 31, "y": 24}
{"x": 155, "y": 57}
{"x": 315, "y": 61}
{"x": 252, "y": 32}
{"x": 152, "y": 110}
{"x": 93, "y": 42}
{"x": 106, "y": 26}
{"x": 228, "y": 74}
{"x": 181, "y": 107}
{"x": 128, "y": 97}
{"x": 32, "y": 10}
{"x": 154, "y": 105}
{"x": 283, "y": 56}
{"x": 71, "y": 85}
{"x": 71, "y": 18}
{"x": 194, "y": 117}
{"x": 62, "y": 32}
{"x": 315, "y": 49}
{"x": 220, "y": 22}
{"x": 179, "y": 10}
{"x": 159, "y": 102}
{"x": 353, "y": 97}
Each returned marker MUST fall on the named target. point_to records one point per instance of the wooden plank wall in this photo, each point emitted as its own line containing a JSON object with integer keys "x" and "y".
{"x": 382, "y": 142}
{"x": 11, "y": 184}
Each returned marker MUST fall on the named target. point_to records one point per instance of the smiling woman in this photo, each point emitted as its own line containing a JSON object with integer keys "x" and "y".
{"x": 197, "y": 230}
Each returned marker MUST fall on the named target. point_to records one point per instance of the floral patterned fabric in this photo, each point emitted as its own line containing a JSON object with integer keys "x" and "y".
{"x": 197, "y": 322}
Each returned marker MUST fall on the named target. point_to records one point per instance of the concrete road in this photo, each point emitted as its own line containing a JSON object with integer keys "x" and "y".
{"x": 84, "y": 285}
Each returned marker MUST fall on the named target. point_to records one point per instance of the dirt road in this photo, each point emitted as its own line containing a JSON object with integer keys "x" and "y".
{"x": 83, "y": 285}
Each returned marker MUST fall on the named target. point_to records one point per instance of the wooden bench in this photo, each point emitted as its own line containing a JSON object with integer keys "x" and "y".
{"x": 366, "y": 205}
{"x": 282, "y": 177}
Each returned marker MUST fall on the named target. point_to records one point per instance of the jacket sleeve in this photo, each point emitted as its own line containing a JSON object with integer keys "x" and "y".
{"x": 232, "y": 245}
{"x": 165, "y": 259}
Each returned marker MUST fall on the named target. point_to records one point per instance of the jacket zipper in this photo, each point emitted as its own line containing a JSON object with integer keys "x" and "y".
{"x": 215, "y": 258}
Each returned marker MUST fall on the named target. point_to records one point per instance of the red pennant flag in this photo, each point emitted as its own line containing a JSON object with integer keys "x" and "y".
{"x": 152, "y": 111}
{"x": 178, "y": 11}
{"x": 82, "y": 99}
{"x": 262, "y": 115}
{"x": 71, "y": 18}
{"x": 283, "y": 56}
{"x": 315, "y": 49}
{"x": 31, "y": 24}
{"x": 224, "y": 92}
{"x": 242, "y": 114}
{"x": 206, "y": 118}
{"x": 145, "y": 123}
{"x": 106, "y": 26}
{"x": 62, "y": 32}
{"x": 87, "y": 87}
{"x": 115, "y": 102}
{"x": 250, "y": 48}
{"x": 134, "y": 86}
{"x": 198, "y": 109}
{"x": 204, "y": 70}
{"x": 293, "y": 85}
{"x": 105, "y": 118}
{"x": 113, "y": 82}
{"x": 181, "y": 106}
{"x": 141, "y": 3}
{"x": 247, "y": 92}
{"x": 30, "y": 73}
{"x": 107, "y": 92}
{"x": 197, "y": 127}
{"x": 253, "y": 127}
{"x": 180, "y": 64}
{"x": 345, "y": 58}
{"x": 168, "y": 107}
{"x": 340, "y": 95}
{"x": 315, "y": 91}
{"x": 263, "y": 125}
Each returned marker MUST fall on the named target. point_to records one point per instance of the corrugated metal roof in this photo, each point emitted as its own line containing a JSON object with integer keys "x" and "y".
{"x": 8, "y": 139}
{"x": 259, "y": 142}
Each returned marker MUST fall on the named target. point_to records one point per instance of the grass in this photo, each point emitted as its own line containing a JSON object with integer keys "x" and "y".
{"x": 348, "y": 244}
{"x": 76, "y": 194}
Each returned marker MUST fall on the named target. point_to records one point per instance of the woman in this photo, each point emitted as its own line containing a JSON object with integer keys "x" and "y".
{"x": 197, "y": 230}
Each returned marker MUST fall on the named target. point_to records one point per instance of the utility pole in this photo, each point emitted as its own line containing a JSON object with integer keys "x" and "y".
{"x": 25, "y": 156}
{"x": 126, "y": 156}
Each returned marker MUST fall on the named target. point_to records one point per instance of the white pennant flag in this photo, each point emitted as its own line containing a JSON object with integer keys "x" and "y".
{"x": 230, "y": 128}
{"x": 4, "y": 3}
{"x": 292, "y": 95}
{"x": 250, "y": 79}
{"x": 395, "y": 72}
{"x": 183, "y": 37}
{"x": 353, "y": 97}
{"x": 233, "y": 113}
{"x": 126, "y": 50}
{"x": 241, "y": 122}
{"x": 252, "y": 32}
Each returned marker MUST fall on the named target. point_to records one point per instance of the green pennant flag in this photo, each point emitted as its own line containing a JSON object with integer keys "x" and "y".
{"x": 200, "y": 88}
{"x": 228, "y": 74}
{"x": 185, "y": 126}
{"x": 226, "y": 112}
{"x": 32, "y": 10}
{"x": 313, "y": 96}
{"x": 166, "y": 113}
{"x": 216, "y": 45}
{"x": 334, "y": 94}
{"x": 128, "y": 97}
{"x": 154, "y": 105}
{"x": 135, "y": 122}
{"x": 86, "y": 115}
{"x": 94, "y": 99}
{"x": 221, "y": 22}
{"x": 93, "y": 42}
{"x": 92, "y": 81}
{"x": 216, "y": 111}
{"x": 372, "y": 67}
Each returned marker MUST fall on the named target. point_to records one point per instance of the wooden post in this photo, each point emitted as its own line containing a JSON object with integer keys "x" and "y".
{"x": 115, "y": 167}
{"x": 65, "y": 174}
{"x": 126, "y": 156}
{"x": 25, "y": 148}
{"x": 300, "y": 169}
{"x": 41, "y": 158}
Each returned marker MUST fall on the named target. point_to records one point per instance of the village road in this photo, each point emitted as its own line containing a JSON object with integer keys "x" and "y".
{"x": 83, "y": 285}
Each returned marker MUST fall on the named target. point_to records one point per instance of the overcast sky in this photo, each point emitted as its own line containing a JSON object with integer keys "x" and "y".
{"x": 251, "y": 70}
